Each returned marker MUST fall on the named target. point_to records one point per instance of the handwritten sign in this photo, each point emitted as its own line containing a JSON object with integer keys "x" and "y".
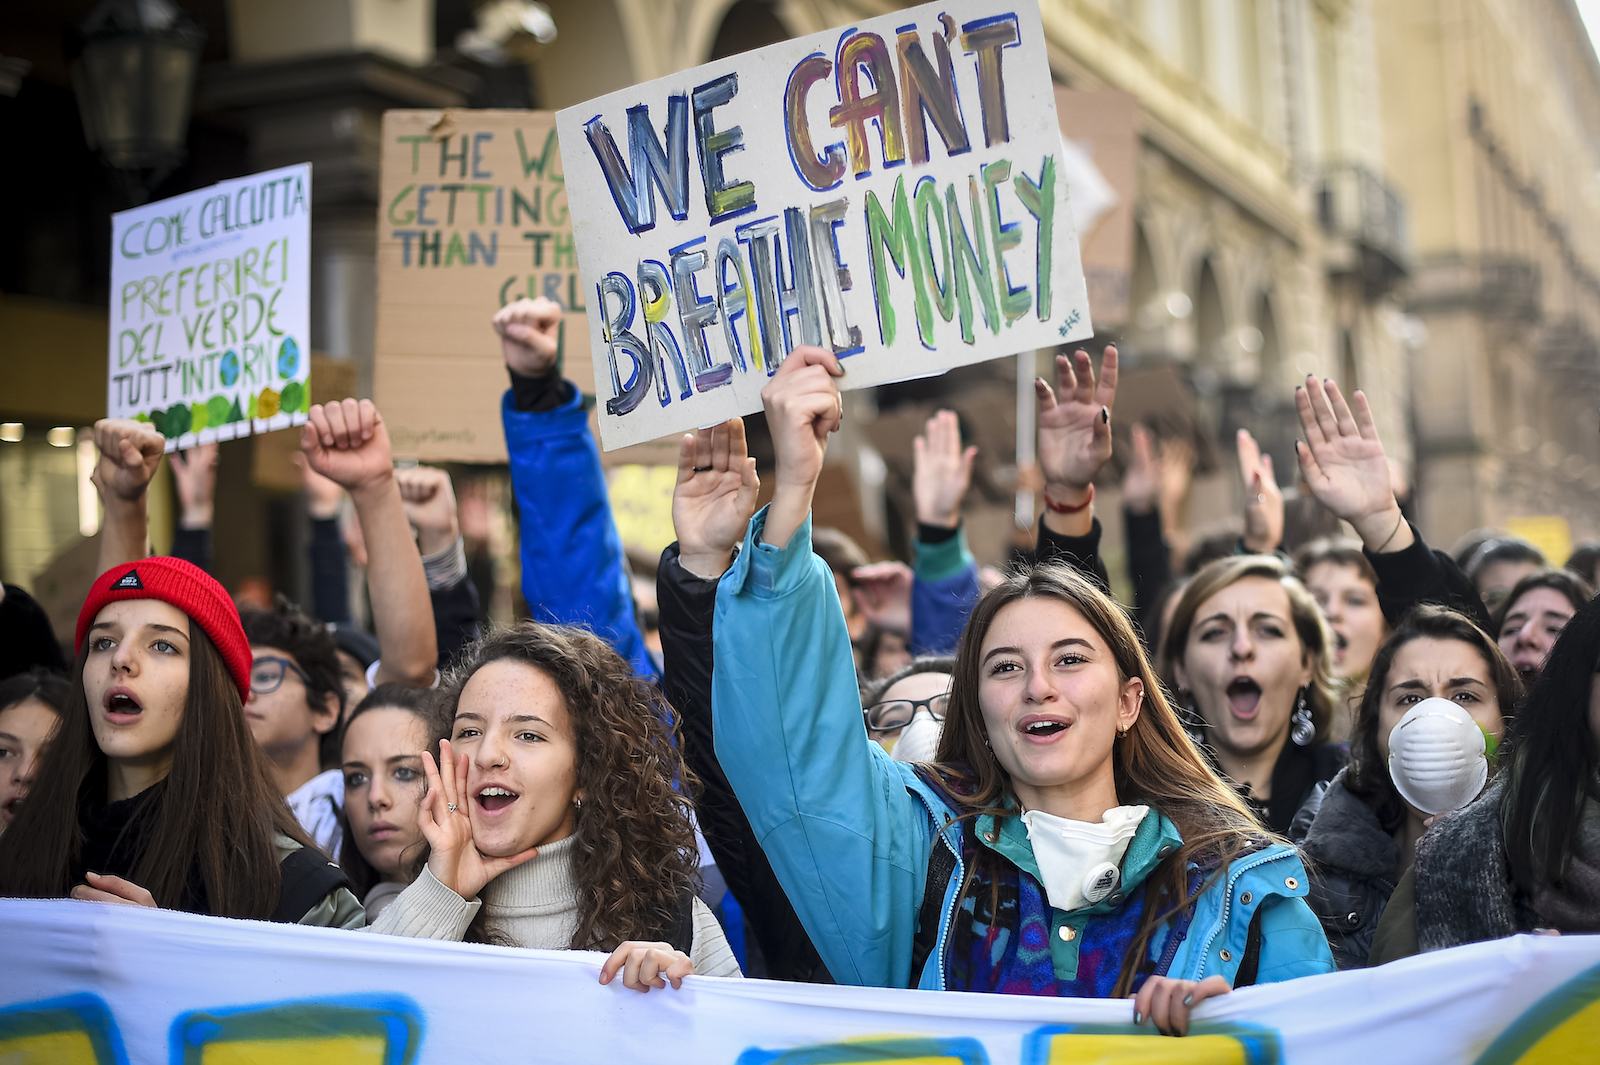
{"x": 472, "y": 214}
{"x": 891, "y": 190}
{"x": 210, "y": 309}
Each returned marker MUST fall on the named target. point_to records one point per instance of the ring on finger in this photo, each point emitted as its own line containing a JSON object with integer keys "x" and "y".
{"x": 450, "y": 806}
{"x": 702, "y": 469}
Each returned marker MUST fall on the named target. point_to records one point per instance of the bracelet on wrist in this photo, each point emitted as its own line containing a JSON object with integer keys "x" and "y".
{"x": 1064, "y": 508}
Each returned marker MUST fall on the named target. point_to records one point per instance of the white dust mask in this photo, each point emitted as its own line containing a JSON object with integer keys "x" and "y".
{"x": 1437, "y": 757}
{"x": 1080, "y": 862}
{"x": 919, "y": 740}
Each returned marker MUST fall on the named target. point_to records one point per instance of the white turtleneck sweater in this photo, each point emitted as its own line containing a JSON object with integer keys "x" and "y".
{"x": 534, "y": 905}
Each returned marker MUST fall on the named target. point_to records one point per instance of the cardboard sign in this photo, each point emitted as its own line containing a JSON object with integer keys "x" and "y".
{"x": 891, "y": 190}
{"x": 211, "y": 309}
{"x": 472, "y": 214}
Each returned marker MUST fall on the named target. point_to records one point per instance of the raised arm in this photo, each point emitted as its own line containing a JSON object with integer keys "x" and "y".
{"x": 194, "y": 473}
{"x": 849, "y": 844}
{"x": 1074, "y": 443}
{"x": 945, "y": 587}
{"x": 130, "y": 451}
{"x": 1149, "y": 554}
{"x": 347, "y": 443}
{"x": 574, "y": 571}
{"x": 1263, "y": 501}
{"x": 1344, "y": 467}
{"x": 430, "y": 504}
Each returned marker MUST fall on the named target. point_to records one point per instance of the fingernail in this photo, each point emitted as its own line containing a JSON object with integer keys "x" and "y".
{"x": 1105, "y": 415}
{"x": 1138, "y": 1018}
{"x": 1188, "y": 1000}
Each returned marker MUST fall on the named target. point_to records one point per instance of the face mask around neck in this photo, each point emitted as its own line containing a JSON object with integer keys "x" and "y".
{"x": 1080, "y": 862}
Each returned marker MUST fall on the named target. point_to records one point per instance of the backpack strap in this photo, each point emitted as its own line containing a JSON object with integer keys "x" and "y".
{"x": 1251, "y": 962}
{"x": 308, "y": 878}
{"x": 941, "y": 866}
{"x": 681, "y": 934}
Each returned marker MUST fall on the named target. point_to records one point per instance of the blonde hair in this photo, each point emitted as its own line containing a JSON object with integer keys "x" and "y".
{"x": 1309, "y": 624}
{"x": 1154, "y": 763}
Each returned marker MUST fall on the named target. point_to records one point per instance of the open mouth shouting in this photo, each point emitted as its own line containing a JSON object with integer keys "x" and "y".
{"x": 1244, "y": 698}
{"x": 121, "y": 706}
{"x": 494, "y": 799}
{"x": 1340, "y": 644}
{"x": 1043, "y": 728}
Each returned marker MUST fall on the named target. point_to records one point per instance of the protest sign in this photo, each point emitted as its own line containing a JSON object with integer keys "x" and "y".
{"x": 472, "y": 214}
{"x": 102, "y": 984}
{"x": 210, "y": 309}
{"x": 891, "y": 190}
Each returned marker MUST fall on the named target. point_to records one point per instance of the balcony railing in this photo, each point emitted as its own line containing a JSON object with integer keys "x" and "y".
{"x": 1355, "y": 205}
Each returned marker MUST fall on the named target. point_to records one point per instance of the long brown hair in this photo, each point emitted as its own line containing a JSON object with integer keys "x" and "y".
{"x": 1309, "y": 625}
{"x": 1367, "y": 775}
{"x": 1154, "y": 763}
{"x": 216, "y": 816}
{"x": 634, "y": 848}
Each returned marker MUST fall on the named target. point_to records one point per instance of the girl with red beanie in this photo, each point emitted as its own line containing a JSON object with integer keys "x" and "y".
{"x": 152, "y": 792}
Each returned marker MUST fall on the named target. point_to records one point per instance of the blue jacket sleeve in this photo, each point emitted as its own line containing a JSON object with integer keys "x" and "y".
{"x": 848, "y": 842}
{"x": 573, "y": 568}
{"x": 1293, "y": 943}
{"x": 943, "y": 593}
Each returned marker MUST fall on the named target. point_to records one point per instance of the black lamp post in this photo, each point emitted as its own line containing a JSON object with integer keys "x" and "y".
{"x": 134, "y": 77}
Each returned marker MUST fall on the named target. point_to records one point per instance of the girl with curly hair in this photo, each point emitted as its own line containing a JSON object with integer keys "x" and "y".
{"x": 557, "y": 814}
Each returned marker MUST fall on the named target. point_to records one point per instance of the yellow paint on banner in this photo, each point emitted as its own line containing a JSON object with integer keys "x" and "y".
{"x": 49, "y": 1048}
{"x": 333, "y": 1050}
{"x": 1549, "y": 533}
{"x": 1144, "y": 1050}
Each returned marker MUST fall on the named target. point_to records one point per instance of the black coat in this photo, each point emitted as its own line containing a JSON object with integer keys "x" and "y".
{"x": 1354, "y": 866}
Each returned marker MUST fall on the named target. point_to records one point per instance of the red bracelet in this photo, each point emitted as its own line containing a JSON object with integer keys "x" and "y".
{"x": 1062, "y": 508}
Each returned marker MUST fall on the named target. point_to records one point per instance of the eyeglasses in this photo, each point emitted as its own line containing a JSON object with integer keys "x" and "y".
{"x": 267, "y": 672}
{"x": 897, "y": 713}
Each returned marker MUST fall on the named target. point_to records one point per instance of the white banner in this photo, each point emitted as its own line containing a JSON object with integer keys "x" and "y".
{"x": 211, "y": 309}
{"x": 99, "y": 984}
{"x": 892, "y": 190}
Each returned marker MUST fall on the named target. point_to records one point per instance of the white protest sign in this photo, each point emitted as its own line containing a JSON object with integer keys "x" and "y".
{"x": 891, "y": 190}
{"x": 211, "y": 309}
{"x": 103, "y": 985}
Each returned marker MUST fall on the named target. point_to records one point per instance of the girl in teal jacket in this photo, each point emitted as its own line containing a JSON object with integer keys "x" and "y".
{"x": 1069, "y": 839}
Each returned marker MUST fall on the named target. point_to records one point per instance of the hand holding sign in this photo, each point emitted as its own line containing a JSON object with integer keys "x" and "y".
{"x": 803, "y": 407}
{"x": 530, "y": 335}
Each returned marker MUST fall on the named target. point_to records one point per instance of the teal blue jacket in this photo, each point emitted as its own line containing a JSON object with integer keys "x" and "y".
{"x": 850, "y": 832}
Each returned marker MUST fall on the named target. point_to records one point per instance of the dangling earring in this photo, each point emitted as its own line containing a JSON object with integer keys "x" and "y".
{"x": 1302, "y": 730}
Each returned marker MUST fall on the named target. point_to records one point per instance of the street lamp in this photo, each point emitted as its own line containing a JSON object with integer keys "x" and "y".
{"x": 134, "y": 78}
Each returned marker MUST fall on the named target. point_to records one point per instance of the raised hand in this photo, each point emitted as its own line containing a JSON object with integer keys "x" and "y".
{"x": 195, "y": 473}
{"x": 347, "y": 443}
{"x": 530, "y": 335}
{"x": 803, "y": 406}
{"x": 1344, "y": 467}
{"x": 453, "y": 859}
{"x": 941, "y": 471}
{"x": 1165, "y": 1002}
{"x": 1141, "y": 481}
{"x": 715, "y": 497}
{"x": 1263, "y": 502}
{"x": 883, "y": 595}
{"x": 430, "y": 505}
{"x": 130, "y": 451}
{"x": 1075, "y": 423}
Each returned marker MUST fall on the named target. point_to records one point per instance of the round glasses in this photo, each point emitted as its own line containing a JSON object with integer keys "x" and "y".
{"x": 267, "y": 672}
{"x": 897, "y": 713}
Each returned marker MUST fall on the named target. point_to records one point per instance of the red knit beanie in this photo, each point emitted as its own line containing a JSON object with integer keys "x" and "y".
{"x": 187, "y": 587}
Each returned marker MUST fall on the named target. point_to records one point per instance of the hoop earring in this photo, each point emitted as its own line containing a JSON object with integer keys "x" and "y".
{"x": 1302, "y": 729}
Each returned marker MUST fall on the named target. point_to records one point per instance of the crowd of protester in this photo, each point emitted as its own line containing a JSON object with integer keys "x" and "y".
{"x": 820, "y": 767}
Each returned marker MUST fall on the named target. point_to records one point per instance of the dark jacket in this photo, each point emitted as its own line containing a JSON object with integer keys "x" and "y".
{"x": 1354, "y": 866}
{"x": 1420, "y": 574}
{"x": 1459, "y": 890}
{"x": 688, "y": 604}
